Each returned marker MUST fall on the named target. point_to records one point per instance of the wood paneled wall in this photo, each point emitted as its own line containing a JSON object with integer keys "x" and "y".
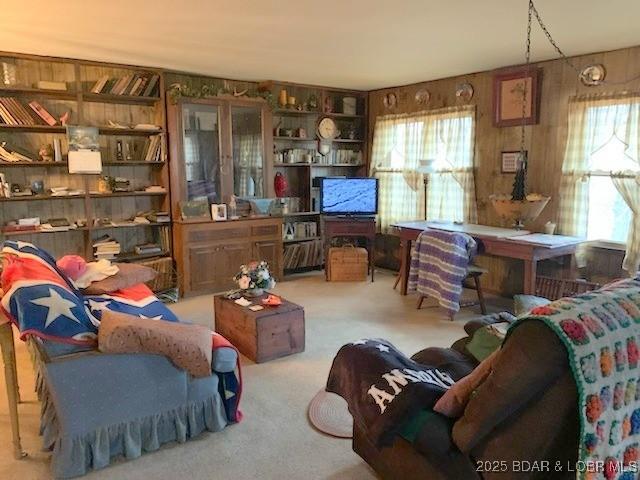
{"x": 545, "y": 141}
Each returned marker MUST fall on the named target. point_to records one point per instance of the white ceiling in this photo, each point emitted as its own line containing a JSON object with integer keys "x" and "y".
{"x": 363, "y": 44}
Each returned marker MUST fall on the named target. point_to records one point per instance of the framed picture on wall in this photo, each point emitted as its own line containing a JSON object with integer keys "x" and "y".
{"x": 511, "y": 161}
{"x": 511, "y": 90}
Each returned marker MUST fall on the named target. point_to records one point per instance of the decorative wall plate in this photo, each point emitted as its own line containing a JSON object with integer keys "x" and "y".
{"x": 422, "y": 96}
{"x": 593, "y": 75}
{"x": 390, "y": 100}
{"x": 464, "y": 91}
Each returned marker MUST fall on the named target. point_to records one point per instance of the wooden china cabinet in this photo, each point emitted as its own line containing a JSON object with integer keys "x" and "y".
{"x": 221, "y": 147}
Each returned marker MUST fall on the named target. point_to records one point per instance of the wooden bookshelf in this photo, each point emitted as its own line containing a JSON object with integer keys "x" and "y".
{"x": 299, "y": 175}
{"x": 119, "y": 99}
{"x": 89, "y": 109}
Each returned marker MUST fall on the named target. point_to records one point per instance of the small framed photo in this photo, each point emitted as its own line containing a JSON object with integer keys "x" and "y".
{"x": 511, "y": 161}
{"x": 218, "y": 211}
{"x": 516, "y": 92}
{"x": 194, "y": 210}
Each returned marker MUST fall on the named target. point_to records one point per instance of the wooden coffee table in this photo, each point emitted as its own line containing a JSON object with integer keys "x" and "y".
{"x": 270, "y": 333}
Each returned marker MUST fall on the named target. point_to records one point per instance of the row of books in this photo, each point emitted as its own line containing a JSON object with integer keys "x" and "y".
{"x": 163, "y": 236}
{"x": 8, "y": 154}
{"x": 13, "y": 112}
{"x": 152, "y": 151}
{"x": 106, "y": 247}
{"x": 296, "y": 230}
{"x": 303, "y": 254}
{"x": 138, "y": 84}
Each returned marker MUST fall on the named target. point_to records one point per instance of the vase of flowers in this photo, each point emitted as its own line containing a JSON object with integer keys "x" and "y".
{"x": 254, "y": 278}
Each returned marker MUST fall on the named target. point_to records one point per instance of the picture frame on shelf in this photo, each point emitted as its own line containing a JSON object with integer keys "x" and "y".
{"x": 510, "y": 90}
{"x": 511, "y": 161}
{"x": 195, "y": 210}
{"x": 218, "y": 212}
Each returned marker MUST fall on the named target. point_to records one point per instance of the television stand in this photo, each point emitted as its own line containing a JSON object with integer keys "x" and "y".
{"x": 351, "y": 226}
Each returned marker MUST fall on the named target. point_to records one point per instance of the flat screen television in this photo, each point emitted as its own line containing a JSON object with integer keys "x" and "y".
{"x": 349, "y": 196}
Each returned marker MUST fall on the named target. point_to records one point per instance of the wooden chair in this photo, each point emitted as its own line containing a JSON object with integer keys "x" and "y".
{"x": 474, "y": 273}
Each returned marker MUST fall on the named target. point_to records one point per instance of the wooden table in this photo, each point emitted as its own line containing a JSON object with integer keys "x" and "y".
{"x": 11, "y": 382}
{"x": 264, "y": 335}
{"x": 499, "y": 242}
{"x": 363, "y": 227}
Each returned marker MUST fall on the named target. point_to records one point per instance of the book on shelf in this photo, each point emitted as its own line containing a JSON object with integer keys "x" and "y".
{"x": 108, "y": 86}
{"x": 120, "y": 85}
{"x": 163, "y": 238}
{"x": 303, "y": 254}
{"x": 159, "y": 217}
{"x": 147, "y": 249}
{"x": 42, "y": 113}
{"x": 20, "y": 228}
{"x": 15, "y": 113}
{"x": 51, "y": 85}
{"x": 106, "y": 247}
{"x": 8, "y": 154}
{"x": 100, "y": 84}
{"x": 137, "y": 84}
{"x": 149, "y": 91}
{"x": 152, "y": 150}
{"x": 5, "y": 115}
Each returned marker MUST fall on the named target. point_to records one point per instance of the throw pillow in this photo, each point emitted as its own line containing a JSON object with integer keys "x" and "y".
{"x": 129, "y": 274}
{"x": 187, "y": 346}
{"x": 523, "y": 304}
{"x": 454, "y": 401}
{"x": 487, "y": 340}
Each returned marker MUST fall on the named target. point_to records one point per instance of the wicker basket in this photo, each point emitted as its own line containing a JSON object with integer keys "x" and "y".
{"x": 347, "y": 264}
{"x": 166, "y": 278}
{"x": 555, "y": 288}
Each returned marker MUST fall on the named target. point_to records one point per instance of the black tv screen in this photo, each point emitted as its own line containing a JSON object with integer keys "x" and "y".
{"x": 349, "y": 196}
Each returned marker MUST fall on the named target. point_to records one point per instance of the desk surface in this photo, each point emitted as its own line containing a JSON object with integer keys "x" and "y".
{"x": 488, "y": 232}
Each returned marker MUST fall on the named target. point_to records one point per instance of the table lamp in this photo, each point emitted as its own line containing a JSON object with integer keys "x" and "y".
{"x": 425, "y": 167}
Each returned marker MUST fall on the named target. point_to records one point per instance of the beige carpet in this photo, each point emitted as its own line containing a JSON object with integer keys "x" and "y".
{"x": 275, "y": 440}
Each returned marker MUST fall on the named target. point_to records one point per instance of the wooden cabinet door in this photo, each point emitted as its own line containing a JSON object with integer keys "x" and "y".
{"x": 213, "y": 266}
{"x": 269, "y": 251}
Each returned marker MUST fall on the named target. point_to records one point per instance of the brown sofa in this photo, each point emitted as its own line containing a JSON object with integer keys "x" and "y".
{"x": 524, "y": 412}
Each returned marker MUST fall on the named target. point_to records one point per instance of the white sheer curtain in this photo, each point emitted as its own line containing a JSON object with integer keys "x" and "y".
{"x": 401, "y": 141}
{"x": 596, "y": 125}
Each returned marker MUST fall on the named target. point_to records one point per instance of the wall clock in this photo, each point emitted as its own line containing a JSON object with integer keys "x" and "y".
{"x": 327, "y": 132}
{"x": 327, "y": 129}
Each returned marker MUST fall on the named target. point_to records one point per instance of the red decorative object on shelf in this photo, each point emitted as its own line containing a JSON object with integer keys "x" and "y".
{"x": 280, "y": 185}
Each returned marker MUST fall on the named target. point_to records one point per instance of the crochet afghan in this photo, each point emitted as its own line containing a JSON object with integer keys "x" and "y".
{"x": 600, "y": 331}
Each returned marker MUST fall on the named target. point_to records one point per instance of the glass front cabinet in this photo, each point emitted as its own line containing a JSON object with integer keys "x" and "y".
{"x": 220, "y": 147}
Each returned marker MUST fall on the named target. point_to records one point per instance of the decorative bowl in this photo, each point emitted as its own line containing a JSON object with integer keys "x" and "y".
{"x": 519, "y": 211}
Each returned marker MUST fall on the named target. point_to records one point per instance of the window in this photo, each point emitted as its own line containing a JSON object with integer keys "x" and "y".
{"x": 401, "y": 141}
{"x": 603, "y": 139}
{"x": 609, "y": 216}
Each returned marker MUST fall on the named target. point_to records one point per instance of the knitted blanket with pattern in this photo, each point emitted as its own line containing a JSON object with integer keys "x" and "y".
{"x": 601, "y": 332}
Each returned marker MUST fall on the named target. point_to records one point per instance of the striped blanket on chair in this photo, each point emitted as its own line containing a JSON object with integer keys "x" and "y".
{"x": 439, "y": 264}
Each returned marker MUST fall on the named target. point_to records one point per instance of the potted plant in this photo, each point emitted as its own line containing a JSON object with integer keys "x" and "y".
{"x": 254, "y": 278}
{"x": 521, "y": 207}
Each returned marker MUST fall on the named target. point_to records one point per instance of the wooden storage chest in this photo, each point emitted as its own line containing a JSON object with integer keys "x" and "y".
{"x": 267, "y": 334}
{"x": 347, "y": 264}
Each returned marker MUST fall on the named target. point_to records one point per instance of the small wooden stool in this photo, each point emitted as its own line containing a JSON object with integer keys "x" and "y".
{"x": 473, "y": 273}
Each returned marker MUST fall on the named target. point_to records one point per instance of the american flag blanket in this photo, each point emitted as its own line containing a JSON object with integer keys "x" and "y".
{"x": 41, "y": 301}
{"x": 439, "y": 264}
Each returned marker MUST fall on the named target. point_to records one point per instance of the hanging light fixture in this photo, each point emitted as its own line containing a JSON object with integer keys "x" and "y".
{"x": 522, "y": 207}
